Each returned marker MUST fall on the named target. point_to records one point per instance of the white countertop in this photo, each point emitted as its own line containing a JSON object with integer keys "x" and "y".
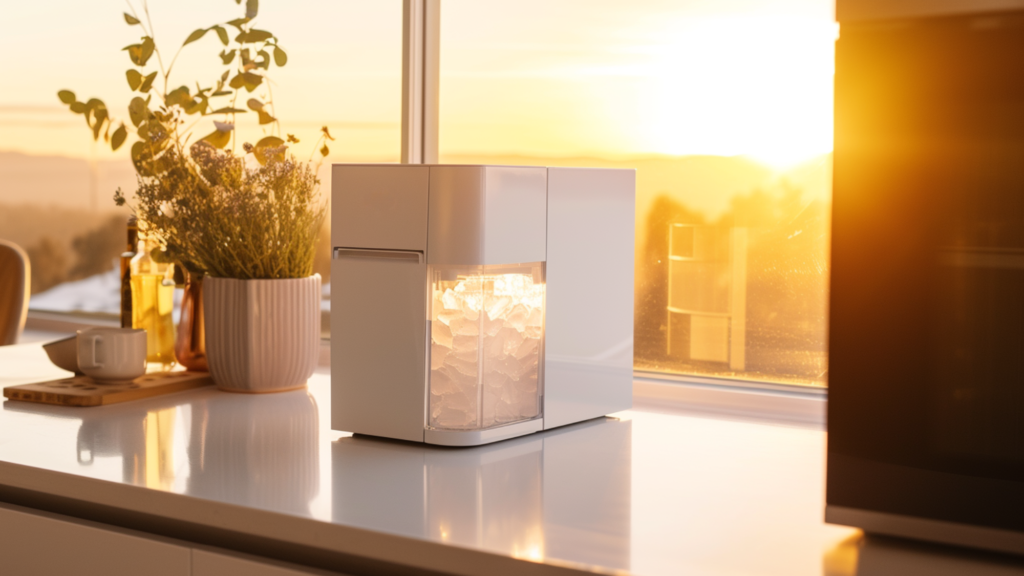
{"x": 641, "y": 492}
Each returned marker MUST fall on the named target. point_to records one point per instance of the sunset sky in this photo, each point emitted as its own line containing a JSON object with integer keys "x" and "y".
{"x": 537, "y": 77}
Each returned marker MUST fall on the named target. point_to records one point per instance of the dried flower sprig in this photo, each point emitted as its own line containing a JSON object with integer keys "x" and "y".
{"x": 219, "y": 216}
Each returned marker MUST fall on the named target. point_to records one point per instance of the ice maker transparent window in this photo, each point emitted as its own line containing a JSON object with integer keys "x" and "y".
{"x": 486, "y": 343}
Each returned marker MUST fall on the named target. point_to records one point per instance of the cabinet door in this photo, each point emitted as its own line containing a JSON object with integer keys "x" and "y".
{"x": 37, "y": 543}
{"x": 207, "y": 563}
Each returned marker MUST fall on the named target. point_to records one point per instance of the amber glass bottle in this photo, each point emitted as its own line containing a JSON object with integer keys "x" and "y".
{"x": 152, "y": 303}
{"x": 126, "y": 272}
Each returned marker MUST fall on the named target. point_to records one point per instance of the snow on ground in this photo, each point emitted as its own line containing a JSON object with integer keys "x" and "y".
{"x": 102, "y": 294}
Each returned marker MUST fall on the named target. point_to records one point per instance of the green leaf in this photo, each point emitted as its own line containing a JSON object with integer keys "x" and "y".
{"x": 134, "y": 79}
{"x": 66, "y": 96}
{"x": 252, "y": 81}
{"x": 255, "y": 105}
{"x": 325, "y": 151}
{"x": 264, "y": 61}
{"x": 198, "y": 105}
{"x": 228, "y": 110}
{"x": 140, "y": 53}
{"x": 147, "y": 82}
{"x": 251, "y": 8}
{"x": 253, "y": 36}
{"x": 221, "y": 93}
{"x": 280, "y": 58}
{"x": 222, "y": 34}
{"x": 118, "y": 137}
{"x": 217, "y": 138}
{"x": 326, "y": 132}
{"x": 99, "y": 116}
{"x": 134, "y": 51}
{"x": 227, "y": 56}
{"x": 147, "y": 50}
{"x": 137, "y": 111}
{"x": 78, "y": 107}
{"x": 266, "y": 118}
{"x": 270, "y": 142}
{"x": 131, "y": 20}
{"x": 238, "y": 22}
{"x": 195, "y": 35}
{"x": 248, "y": 80}
{"x": 261, "y": 152}
{"x": 179, "y": 96}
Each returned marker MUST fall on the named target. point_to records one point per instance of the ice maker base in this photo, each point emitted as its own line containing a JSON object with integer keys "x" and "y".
{"x": 479, "y": 437}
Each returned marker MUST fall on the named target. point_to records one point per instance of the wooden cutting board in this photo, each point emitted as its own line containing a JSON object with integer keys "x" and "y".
{"x": 84, "y": 391}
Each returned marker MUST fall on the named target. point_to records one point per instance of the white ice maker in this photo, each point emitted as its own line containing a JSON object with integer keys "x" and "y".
{"x": 470, "y": 304}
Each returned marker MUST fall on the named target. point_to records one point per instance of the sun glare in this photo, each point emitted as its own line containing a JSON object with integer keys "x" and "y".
{"x": 740, "y": 85}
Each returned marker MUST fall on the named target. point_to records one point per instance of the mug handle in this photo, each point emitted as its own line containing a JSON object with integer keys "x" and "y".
{"x": 93, "y": 338}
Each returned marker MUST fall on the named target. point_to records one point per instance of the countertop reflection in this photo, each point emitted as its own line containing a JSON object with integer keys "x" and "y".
{"x": 641, "y": 492}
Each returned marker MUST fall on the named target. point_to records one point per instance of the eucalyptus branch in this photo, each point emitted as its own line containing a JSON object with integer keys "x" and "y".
{"x": 203, "y": 203}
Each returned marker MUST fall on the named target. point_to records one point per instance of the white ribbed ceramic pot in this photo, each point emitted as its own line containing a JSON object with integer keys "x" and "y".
{"x": 262, "y": 335}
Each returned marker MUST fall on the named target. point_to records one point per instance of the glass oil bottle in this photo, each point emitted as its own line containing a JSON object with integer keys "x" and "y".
{"x": 152, "y": 302}
{"x": 126, "y": 272}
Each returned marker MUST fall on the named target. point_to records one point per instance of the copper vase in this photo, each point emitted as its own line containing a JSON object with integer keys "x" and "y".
{"x": 190, "y": 345}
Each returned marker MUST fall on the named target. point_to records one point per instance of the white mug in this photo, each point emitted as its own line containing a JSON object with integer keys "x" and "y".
{"x": 112, "y": 353}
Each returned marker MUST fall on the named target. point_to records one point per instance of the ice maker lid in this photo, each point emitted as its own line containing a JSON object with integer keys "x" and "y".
{"x": 379, "y": 206}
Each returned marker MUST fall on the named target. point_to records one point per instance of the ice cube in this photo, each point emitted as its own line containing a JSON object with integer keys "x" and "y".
{"x": 513, "y": 339}
{"x": 448, "y": 316}
{"x": 497, "y": 306}
{"x": 491, "y": 327}
{"x": 494, "y": 346}
{"x": 441, "y": 384}
{"x": 528, "y": 347}
{"x": 536, "y": 318}
{"x": 463, "y": 327}
{"x": 534, "y": 332}
{"x": 459, "y": 368}
{"x": 450, "y": 300}
{"x": 441, "y": 334}
{"x": 508, "y": 366}
{"x": 454, "y": 417}
{"x": 470, "y": 312}
{"x": 495, "y": 380}
{"x": 517, "y": 317}
{"x": 436, "y": 306}
{"x": 462, "y": 343}
{"x": 437, "y": 355}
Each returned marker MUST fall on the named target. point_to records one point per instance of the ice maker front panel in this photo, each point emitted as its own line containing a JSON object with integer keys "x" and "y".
{"x": 487, "y": 338}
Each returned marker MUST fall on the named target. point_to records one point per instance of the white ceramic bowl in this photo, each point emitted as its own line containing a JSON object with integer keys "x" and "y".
{"x": 64, "y": 353}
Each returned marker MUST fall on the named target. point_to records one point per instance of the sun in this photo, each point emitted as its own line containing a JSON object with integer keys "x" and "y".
{"x": 743, "y": 85}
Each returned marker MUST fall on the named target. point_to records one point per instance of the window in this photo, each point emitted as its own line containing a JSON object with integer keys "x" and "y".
{"x": 725, "y": 110}
{"x": 343, "y": 71}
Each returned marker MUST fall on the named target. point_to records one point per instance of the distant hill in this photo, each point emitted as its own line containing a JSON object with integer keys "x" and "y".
{"x": 63, "y": 182}
{"x": 703, "y": 183}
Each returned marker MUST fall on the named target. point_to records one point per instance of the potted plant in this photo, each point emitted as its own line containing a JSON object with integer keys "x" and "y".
{"x": 245, "y": 221}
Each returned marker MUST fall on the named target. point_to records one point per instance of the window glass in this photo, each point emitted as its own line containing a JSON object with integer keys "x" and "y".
{"x": 343, "y": 71}
{"x": 723, "y": 107}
